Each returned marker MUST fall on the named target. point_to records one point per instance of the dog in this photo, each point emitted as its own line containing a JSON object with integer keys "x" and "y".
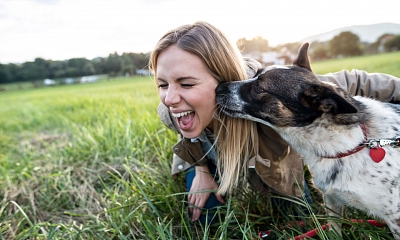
{"x": 349, "y": 143}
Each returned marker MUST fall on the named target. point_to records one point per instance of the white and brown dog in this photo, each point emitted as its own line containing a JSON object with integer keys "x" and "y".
{"x": 349, "y": 143}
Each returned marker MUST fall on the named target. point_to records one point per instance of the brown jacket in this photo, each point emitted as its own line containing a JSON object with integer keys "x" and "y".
{"x": 277, "y": 165}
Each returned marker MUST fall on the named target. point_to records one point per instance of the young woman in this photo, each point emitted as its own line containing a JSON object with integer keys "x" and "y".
{"x": 189, "y": 62}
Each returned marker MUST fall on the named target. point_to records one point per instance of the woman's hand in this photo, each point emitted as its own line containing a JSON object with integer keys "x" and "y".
{"x": 202, "y": 185}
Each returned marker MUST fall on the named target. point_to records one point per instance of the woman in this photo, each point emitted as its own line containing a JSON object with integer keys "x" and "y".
{"x": 189, "y": 62}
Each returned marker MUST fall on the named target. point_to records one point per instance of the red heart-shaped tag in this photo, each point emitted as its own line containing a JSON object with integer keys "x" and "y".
{"x": 377, "y": 154}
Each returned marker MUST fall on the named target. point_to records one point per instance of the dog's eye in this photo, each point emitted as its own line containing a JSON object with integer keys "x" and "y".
{"x": 258, "y": 89}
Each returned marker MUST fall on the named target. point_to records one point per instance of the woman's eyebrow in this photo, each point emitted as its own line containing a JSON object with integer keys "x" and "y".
{"x": 160, "y": 79}
{"x": 186, "y": 78}
{"x": 179, "y": 79}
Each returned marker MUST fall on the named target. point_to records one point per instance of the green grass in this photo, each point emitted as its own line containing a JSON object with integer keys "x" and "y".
{"x": 67, "y": 153}
{"x": 385, "y": 63}
{"x": 93, "y": 162}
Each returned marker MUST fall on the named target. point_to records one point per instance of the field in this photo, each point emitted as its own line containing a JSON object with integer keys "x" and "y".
{"x": 385, "y": 63}
{"x": 92, "y": 161}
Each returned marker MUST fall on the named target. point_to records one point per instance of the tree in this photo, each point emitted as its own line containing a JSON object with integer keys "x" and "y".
{"x": 134, "y": 61}
{"x": 141, "y": 60}
{"x": 100, "y": 65}
{"x": 15, "y": 71}
{"x": 40, "y": 68}
{"x": 392, "y": 44}
{"x": 43, "y": 67}
{"x": 59, "y": 69}
{"x": 80, "y": 67}
{"x": 319, "y": 53}
{"x": 30, "y": 71}
{"x": 257, "y": 44}
{"x": 345, "y": 44}
{"x": 114, "y": 64}
{"x": 5, "y": 75}
{"x": 378, "y": 45}
{"x": 127, "y": 64}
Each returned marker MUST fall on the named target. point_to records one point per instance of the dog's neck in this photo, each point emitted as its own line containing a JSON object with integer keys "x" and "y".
{"x": 323, "y": 138}
{"x": 354, "y": 150}
{"x": 329, "y": 135}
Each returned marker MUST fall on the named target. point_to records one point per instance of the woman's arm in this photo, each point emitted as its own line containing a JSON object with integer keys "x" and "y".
{"x": 383, "y": 87}
{"x": 202, "y": 185}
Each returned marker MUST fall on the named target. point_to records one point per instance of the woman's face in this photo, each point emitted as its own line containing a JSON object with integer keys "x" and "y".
{"x": 187, "y": 89}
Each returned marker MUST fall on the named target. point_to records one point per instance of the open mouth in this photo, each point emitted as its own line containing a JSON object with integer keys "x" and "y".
{"x": 184, "y": 118}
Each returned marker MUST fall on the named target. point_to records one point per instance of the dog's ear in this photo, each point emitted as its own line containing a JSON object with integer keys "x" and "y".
{"x": 324, "y": 99}
{"x": 302, "y": 57}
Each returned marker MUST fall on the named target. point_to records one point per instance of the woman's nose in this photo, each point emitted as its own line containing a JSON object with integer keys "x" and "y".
{"x": 172, "y": 97}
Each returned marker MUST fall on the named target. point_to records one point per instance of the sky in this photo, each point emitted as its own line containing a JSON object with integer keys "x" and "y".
{"x": 64, "y": 29}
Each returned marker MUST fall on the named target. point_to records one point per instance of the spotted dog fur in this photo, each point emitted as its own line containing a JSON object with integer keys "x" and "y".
{"x": 320, "y": 120}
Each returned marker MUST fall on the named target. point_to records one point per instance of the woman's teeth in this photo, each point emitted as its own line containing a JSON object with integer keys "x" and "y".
{"x": 178, "y": 115}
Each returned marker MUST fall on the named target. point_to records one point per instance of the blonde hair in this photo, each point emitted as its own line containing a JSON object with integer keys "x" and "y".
{"x": 235, "y": 138}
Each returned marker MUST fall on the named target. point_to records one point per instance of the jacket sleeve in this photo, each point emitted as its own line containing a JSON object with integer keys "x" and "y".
{"x": 178, "y": 164}
{"x": 383, "y": 87}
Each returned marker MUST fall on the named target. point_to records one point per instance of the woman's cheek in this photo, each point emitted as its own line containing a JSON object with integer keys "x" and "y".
{"x": 162, "y": 97}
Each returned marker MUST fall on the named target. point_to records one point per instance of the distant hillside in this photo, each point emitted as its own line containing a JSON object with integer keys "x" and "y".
{"x": 367, "y": 33}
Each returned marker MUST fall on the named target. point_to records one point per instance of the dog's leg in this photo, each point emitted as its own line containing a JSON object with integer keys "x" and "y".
{"x": 394, "y": 226}
{"x": 335, "y": 209}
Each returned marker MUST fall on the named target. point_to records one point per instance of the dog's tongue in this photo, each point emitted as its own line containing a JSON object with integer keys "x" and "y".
{"x": 187, "y": 118}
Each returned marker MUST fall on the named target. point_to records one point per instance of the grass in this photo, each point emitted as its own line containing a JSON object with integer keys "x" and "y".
{"x": 93, "y": 162}
{"x": 385, "y": 63}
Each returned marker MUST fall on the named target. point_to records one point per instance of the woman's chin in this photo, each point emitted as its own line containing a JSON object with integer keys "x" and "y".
{"x": 191, "y": 134}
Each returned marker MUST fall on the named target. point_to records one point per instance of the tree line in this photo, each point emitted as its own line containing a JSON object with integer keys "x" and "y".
{"x": 39, "y": 69}
{"x": 343, "y": 45}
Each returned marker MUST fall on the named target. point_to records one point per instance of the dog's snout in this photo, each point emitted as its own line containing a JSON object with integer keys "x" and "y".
{"x": 221, "y": 88}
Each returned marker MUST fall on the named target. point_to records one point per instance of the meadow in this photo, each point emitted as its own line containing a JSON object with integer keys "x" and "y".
{"x": 92, "y": 161}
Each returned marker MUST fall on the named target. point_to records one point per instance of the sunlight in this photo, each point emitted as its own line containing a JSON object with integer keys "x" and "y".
{"x": 62, "y": 29}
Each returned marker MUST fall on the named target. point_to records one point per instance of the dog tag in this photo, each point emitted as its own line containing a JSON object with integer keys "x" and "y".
{"x": 377, "y": 154}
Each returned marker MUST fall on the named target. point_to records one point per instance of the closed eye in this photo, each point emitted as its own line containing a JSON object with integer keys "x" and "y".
{"x": 187, "y": 85}
{"x": 163, "y": 86}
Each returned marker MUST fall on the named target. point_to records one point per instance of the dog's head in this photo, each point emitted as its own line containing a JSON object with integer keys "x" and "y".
{"x": 283, "y": 95}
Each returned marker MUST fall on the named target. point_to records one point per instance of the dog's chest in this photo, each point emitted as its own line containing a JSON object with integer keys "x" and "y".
{"x": 359, "y": 182}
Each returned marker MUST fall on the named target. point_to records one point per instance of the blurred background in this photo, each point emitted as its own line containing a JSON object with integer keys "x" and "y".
{"x": 61, "y": 41}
